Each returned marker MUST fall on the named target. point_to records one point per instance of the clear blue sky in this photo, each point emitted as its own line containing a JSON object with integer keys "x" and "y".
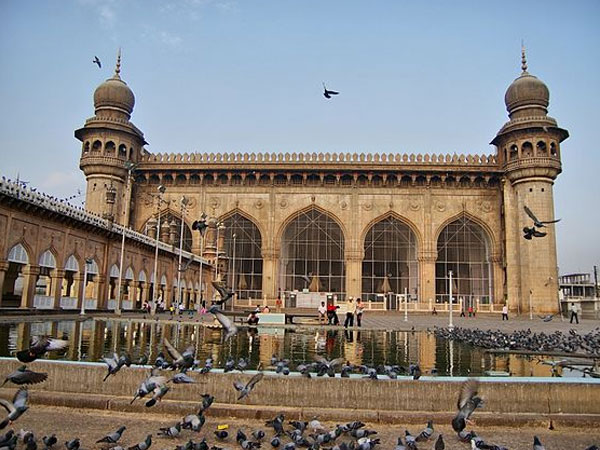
{"x": 233, "y": 75}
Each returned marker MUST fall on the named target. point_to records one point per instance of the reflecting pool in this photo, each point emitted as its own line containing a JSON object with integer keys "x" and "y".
{"x": 92, "y": 339}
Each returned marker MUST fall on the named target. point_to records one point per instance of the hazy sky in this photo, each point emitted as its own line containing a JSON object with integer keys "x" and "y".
{"x": 227, "y": 75}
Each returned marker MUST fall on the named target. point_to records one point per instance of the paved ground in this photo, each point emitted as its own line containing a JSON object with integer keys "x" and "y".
{"x": 91, "y": 425}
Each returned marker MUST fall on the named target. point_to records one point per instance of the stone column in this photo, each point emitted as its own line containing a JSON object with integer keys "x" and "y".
{"x": 100, "y": 282}
{"x": 353, "y": 261}
{"x": 57, "y": 276}
{"x": 269, "y": 275}
{"x": 427, "y": 276}
{"x": 30, "y": 274}
{"x": 78, "y": 280}
{"x": 23, "y": 335}
{"x": 498, "y": 274}
{"x": 145, "y": 292}
{"x": 3, "y": 270}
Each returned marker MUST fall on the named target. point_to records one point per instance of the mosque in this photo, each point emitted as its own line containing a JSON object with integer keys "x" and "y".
{"x": 382, "y": 227}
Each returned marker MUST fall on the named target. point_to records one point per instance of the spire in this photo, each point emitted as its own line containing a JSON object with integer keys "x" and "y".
{"x": 523, "y": 58}
{"x": 118, "y": 67}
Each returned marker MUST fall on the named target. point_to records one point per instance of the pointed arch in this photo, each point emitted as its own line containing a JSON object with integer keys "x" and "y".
{"x": 18, "y": 254}
{"x": 72, "y": 264}
{"x": 390, "y": 262}
{"x": 114, "y": 271}
{"x": 490, "y": 233}
{"x": 304, "y": 210}
{"x": 142, "y": 276}
{"x": 47, "y": 259}
{"x": 464, "y": 247}
{"x": 313, "y": 252}
{"x": 245, "y": 272}
{"x": 129, "y": 273}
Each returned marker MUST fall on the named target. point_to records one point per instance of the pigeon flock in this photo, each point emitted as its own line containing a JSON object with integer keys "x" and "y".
{"x": 573, "y": 342}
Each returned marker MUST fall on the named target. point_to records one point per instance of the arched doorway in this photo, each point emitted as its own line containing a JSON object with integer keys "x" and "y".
{"x": 464, "y": 248}
{"x": 390, "y": 262}
{"x": 14, "y": 281}
{"x": 43, "y": 283}
{"x": 70, "y": 284}
{"x": 245, "y": 256}
{"x": 312, "y": 254}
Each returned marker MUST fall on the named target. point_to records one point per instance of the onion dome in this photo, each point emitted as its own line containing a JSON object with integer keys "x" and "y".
{"x": 114, "y": 94}
{"x": 527, "y": 95}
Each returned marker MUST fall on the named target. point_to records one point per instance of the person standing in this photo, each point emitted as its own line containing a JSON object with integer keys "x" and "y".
{"x": 360, "y": 306}
{"x": 505, "y": 312}
{"x": 278, "y": 303}
{"x": 349, "y": 313}
{"x": 322, "y": 311}
{"x": 574, "y": 311}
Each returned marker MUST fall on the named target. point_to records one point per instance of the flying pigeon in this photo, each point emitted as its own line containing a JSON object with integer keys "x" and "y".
{"x": 538, "y": 223}
{"x": 38, "y": 347}
{"x": 228, "y": 325}
{"x": 327, "y": 93}
{"x": 24, "y": 376}
{"x": 244, "y": 390}
{"x": 223, "y": 291}
{"x": 97, "y": 61}
{"x": 15, "y": 408}
{"x": 467, "y": 403}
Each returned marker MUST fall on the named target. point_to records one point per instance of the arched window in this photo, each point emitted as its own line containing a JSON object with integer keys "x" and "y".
{"x": 377, "y": 180}
{"x": 362, "y": 180}
{"x": 236, "y": 180}
{"x": 180, "y": 179}
{"x": 96, "y": 146}
{"x": 330, "y": 179}
{"x": 526, "y": 150}
{"x": 122, "y": 151}
{"x": 86, "y": 147}
{"x": 72, "y": 265}
{"x": 464, "y": 248}
{"x": 346, "y": 180}
{"x": 245, "y": 256}
{"x": 390, "y": 263}
{"x": 391, "y": 181}
{"x": 553, "y": 149}
{"x": 47, "y": 260}
{"x": 296, "y": 179}
{"x": 250, "y": 179}
{"x": 194, "y": 179}
{"x": 18, "y": 254}
{"x": 280, "y": 179}
{"x": 312, "y": 254}
{"x": 541, "y": 148}
{"x": 514, "y": 152}
{"x": 222, "y": 179}
{"x": 208, "y": 179}
{"x": 109, "y": 148}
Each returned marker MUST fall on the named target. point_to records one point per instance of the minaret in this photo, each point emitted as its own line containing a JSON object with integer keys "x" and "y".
{"x": 110, "y": 144}
{"x": 528, "y": 150}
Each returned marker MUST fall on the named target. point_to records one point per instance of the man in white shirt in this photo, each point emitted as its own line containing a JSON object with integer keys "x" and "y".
{"x": 322, "y": 312}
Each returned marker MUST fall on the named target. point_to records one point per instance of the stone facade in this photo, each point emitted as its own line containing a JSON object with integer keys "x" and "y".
{"x": 481, "y": 197}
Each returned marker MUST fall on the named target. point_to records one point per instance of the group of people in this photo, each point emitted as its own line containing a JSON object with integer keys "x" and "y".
{"x": 353, "y": 309}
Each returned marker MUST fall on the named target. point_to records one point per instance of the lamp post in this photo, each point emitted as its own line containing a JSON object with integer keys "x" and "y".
{"x": 220, "y": 227}
{"x": 184, "y": 202}
{"x": 200, "y": 225}
{"x": 405, "y": 304}
{"x": 130, "y": 166}
{"x": 450, "y": 325}
{"x": 88, "y": 261}
{"x": 530, "y": 305}
{"x": 161, "y": 191}
{"x": 233, "y": 273}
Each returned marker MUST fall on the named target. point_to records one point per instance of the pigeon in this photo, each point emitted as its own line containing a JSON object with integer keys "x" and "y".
{"x": 24, "y": 376}
{"x": 328, "y": 366}
{"x": 170, "y": 431}
{"x": 116, "y": 363}
{"x": 228, "y": 325}
{"x": 258, "y": 434}
{"x": 467, "y": 403}
{"x": 15, "y": 408}
{"x": 113, "y": 437}
{"x": 411, "y": 443}
{"x": 244, "y": 442}
{"x": 200, "y": 225}
{"x": 150, "y": 384}
{"x": 547, "y": 318}
{"x": 415, "y": 371}
{"x": 73, "y": 444}
{"x": 97, "y": 61}
{"x": 224, "y": 292}
{"x": 362, "y": 433}
{"x": 536, "y": 222}
{"x": 315, "y": 425}
{"x": 275, "y": 442}
{"x": 242, "y": 364}
{"x": 327, "y": 93}
{"x": 300, "y": 426}
{"x": 400, "y": 445}
{"x": 537, "y": 445}
{"x": 50, "y": 441}
{"x": 181, "y": 378}
{"x": 229, "y": 365}
{"x": 144, "y": 445}
{"x": 183, "y": 360}
{"x": 221, "y": 434}
{"x": 193, "y": 422}
{"x": 39, "y": 346}
{"x": 207, "y": 400}
{"x": 277, "y": 424}
{"x": 426, "y": 433}
{"x": 244, "y": 390}
{"x": 161, "y": 362}
{"x": 159, "y": 393}
{"x": 531, "y": 232}
{"x": 208, "y": 365}
{"x": 142, "y": 361}
{"x": 439, "y": 443}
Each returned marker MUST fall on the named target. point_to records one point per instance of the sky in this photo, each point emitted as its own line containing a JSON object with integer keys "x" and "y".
{"x": 246, "y": 76}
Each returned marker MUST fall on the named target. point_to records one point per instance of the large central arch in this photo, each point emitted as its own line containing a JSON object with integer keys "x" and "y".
{"x": 390, "y": 261}
{"x": 464, "y": 247}
{"x": 312, "y": 253}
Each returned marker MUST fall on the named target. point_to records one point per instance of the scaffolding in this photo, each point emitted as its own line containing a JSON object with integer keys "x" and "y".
{"x": 246, "y": 262}
{"x": 390, "y": 261}
{"x": 312, "y": 254}
{"x": 464, "y": 248}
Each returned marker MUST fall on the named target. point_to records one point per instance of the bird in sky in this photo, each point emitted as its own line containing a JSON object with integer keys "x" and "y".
{"x": 15, "y": 408}
{"x": 228, "y": 325}
{"x": 115, "y": 364}
{"x": 223, "y": 291}
{"x": 245, "y": 389}
{"x": 183, "y": 360}
{"x": 531, "y": 232}
{"x": 538, "y": 223}
{"x": 327, "y": 93}
{"x": 97, "y": 61}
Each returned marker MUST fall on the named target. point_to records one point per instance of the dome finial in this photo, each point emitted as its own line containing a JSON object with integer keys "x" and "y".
{"x": 523, "y": 58}
{"x": 118, "y": 67}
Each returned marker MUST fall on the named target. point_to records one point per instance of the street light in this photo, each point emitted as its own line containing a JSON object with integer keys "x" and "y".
{"x": 220, "y": 226}
{"x": 233, "y": 273}
{"x": 130, "y": 166}
{"x": 200, "y": 225}
{"x": 184, "y": 202}
{"x": 161, "y": 191}
{"x": 88, "y": 261}
{"x": 450, "y": 325}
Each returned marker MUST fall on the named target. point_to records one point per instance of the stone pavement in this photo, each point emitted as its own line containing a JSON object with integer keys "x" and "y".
{"x": 90, "y": 425}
